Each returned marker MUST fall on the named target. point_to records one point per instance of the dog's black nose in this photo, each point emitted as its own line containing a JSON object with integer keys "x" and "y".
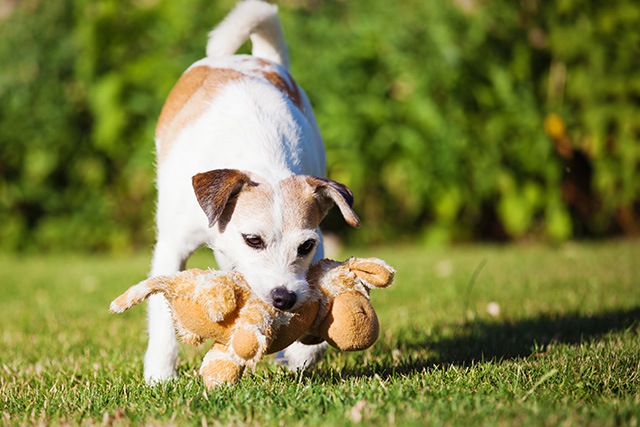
{"x": 283, "y": 299}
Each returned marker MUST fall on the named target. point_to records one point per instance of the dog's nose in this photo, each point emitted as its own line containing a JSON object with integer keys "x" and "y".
{"x": 283, "y": 299}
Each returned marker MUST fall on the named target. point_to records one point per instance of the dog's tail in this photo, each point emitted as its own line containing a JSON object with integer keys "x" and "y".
{"x": 252, "y": 19}
{"x": 138, "y": 293}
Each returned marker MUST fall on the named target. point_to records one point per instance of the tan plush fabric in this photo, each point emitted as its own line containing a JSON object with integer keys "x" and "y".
{"x": 209, "y": 304}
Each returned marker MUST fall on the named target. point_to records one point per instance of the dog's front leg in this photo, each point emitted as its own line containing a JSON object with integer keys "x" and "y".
{"x": 162, "y": 350}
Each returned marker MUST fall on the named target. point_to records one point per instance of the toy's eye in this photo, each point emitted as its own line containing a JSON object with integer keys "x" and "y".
{"x": 306, "y": 247}
{"x": 254, "y": 241}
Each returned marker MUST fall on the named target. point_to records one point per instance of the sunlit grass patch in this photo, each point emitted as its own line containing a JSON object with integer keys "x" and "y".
{"x": 470, "y": 335}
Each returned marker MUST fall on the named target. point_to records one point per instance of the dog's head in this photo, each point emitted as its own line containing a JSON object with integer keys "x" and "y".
{"x": 268, "y": 231}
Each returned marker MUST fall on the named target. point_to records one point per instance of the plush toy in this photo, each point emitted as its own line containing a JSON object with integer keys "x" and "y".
{"x": 208, "y": 304}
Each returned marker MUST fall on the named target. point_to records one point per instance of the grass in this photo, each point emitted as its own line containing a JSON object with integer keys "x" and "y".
{"x": 478, "y": 335}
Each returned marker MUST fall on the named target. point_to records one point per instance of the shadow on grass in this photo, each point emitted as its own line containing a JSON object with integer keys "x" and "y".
{"x": 478, "y": 341}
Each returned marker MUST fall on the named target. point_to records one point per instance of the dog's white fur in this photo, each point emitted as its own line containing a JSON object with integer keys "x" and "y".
{"x": 238, "y": 150}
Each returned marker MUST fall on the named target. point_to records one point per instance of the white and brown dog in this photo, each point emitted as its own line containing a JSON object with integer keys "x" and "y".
{"x": 240, "y": 163}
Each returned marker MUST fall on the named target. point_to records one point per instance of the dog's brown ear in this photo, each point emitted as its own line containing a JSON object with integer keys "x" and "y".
{"x": 330, "y": 192}
{"x": 214, "y": 189}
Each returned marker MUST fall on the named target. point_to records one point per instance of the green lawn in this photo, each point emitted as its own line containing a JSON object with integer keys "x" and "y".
{"x": 473, "y": 335}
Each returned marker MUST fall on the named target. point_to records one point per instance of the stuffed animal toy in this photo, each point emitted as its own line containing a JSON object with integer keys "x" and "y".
{"x": 208, "y": 304}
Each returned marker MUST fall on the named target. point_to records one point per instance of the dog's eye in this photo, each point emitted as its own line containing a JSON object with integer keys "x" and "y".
{"x": 254, "y": 241}
{"x": 306, "y": 247}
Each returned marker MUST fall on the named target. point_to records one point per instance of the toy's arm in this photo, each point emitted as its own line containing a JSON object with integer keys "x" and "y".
{"x": 352, "y": 323}
{"x": 213, "y": 291}
{"x": 373, "y": 272}
{"x": 169, "y": 286}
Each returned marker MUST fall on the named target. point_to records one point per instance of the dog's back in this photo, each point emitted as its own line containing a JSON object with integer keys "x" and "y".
{"x": 242, "y": 111}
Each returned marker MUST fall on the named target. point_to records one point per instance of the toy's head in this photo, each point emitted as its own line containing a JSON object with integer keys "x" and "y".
{"x": 346, "y": 318}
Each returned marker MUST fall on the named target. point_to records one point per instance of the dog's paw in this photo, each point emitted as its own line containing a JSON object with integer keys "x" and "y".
{"x": 158, "y": 369}
{"x": 155, "y": 375}
{"x": 298, "y": 357}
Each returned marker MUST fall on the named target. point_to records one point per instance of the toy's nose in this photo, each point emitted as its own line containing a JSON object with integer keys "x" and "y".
{"x": 283, "y": 299}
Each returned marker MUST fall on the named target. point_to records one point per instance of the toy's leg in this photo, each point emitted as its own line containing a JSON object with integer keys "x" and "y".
{"x": 220, "y": 366}
{"x": 253, "y": 332}
{"x": 298, "y": 356}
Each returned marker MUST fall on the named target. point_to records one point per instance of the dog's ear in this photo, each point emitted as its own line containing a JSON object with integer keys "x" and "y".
{"x": 214, "y": 189}
{"x": 329, "y": 192}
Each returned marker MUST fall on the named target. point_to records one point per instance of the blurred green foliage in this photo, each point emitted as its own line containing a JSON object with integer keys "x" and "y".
{"x": 449, "y": 119}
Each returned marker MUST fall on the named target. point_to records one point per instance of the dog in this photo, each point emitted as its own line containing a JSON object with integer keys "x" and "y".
{"x": 240, "y": 168}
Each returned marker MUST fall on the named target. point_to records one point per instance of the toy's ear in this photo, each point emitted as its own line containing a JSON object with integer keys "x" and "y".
{"x": 374, "y": 272}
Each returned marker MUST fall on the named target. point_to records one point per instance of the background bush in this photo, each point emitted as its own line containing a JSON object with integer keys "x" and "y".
{"x": 448, "y": 119}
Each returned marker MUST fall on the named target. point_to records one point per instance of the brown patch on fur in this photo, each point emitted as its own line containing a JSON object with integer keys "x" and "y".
{"x": 286, "y": 85}
{"x": 305, "y": 201}
{"x": 254, "y": 199}
{"x": 279, "y": 78}
{"x": 187, "y": 101}
{"x": 328, "y": 192}
{"x": 199, "y": 85}
{"x": 214, "y": 189}
{"x": 300, "y": 209}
